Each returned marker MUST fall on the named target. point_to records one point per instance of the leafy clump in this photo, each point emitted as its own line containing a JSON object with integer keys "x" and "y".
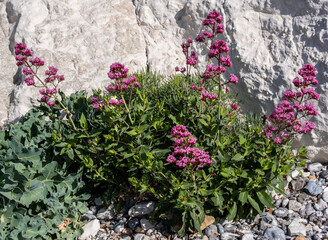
{"x": 36, "y": 195}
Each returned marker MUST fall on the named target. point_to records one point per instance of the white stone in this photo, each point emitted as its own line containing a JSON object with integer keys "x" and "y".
{"x": 325, "y": 196}
{"x": 296, "y": 228}
{"x": 82, "y": 38}
{"x": 315, "y": 167}
{"x": 146, "y": 224}
{"x": 90, "y": 229}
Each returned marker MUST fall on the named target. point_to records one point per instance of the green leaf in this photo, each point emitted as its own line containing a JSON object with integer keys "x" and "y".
{"x": 277, "y": 190}
{"x": 83, "y": 122}
{"x": 265, "y": 198}
{"x": 243, "y": 197}
{"x": 254, "y": 204}
{"x": 217, "y": 200}
{"x": 33, "y": 193}
{"x": 238, "y": 157}
{"x": 132, "y": 133}
{"x": 203, "y": 122}
{"x": 232, "y": 212}
{"x": 242, "y": 140}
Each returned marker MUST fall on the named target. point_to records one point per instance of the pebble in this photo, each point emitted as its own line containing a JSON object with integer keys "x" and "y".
{"x": 324, "y": 196}
{"x": 296, "y": 228}
{"x": 302, "y": 215}
{"x": 314, "y": 167}
{"x": 143, "y": 208}
{"x": 90, "y": 229}
{"x": 313, "y": 188}
{"x": 281, "y": 212}
{"x": 274, "y": 233}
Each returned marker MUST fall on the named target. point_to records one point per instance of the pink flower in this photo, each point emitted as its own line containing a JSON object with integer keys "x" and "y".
{"x": 227, "y": 89}
{"x": 234, "y": 106}
{"x": 137, "y": 84}
{"x": 51, "y": 103}
{"x": 233, "y": 79}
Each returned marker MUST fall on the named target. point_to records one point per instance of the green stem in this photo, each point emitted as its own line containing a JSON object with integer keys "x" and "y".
{"x": 127, "y": 109}
{"x": 55, "y": 96}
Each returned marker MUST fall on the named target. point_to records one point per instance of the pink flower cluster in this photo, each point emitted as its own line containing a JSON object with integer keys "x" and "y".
{"x": 184, "y": 155}
{"x": 122, "y": 83}
{"x": 286, "y": 117}
{"x": 99, "y": 103}
{"x": 23, "y": 57}
{"x": 191, "y": 59}
{"x": 120, "y": 74}
{"x": 216, "y": 50}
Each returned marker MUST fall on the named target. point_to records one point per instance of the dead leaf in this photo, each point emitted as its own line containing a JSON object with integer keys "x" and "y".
{"x": 62, "y": 227}
{"x": 207, "y": 221}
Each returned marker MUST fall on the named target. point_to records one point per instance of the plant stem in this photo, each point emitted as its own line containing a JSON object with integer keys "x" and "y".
{"x": 55, "y": 96}
{"x": 127, "y": 109}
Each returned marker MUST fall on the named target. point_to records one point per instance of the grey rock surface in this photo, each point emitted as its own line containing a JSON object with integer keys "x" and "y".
{"x": 90, "y": 229}
{"x": 142, "y": 208}
{"x": 82, "y": 38}
{"x": 274, "y": 233}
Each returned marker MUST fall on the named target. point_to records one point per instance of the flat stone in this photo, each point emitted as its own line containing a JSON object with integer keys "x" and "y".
{"x": 146, "y": 224}
{"x": 90, "y": 229}
{"x": 298, "y": 184}
{"x": 229, "y": 236}
{"x": 140, "y": 209}
{"x": 281, "y": 212}
{"x": 248, "y": 236}
{"x": 320, "y": 205}
{"x": 324, "y": 196}
{"x": 296, "y": 228}
{"x": 313, "y": 188}
{"x": 274, "y": 233}
{"x": 133, "y": 223}
{"x": 106, "y": 214}
{"x": 141, "y": 236}
{"x": 211, "y": 230}
{"x": 314, "y": 167}
{"x": 324, "y": 174}
{"x": 220, "y": 228}
{"x": 295, "y": 206}
{"x": 285, "y": 202}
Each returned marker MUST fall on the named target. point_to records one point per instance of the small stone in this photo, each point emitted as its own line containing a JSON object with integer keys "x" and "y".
{"x": 140, "y": 236}
{"x": 295, "y": 206}
{"x": 211, "y": 230}
{"x": 281, "y": 212}
{"x": 306, "y": 174}
{"x": 298, "y": 184}
{"x": 313, "y": 188}
{"x": 106, "y": 214}
{"x": 320, "y": 205}
{"x": 90, "y": 229}
{"x": 324, "y": 174}
{"x": 229, "y": 236}
{"x": 213, "y": 238}
{"x": 314, "y": 167}
{"x": 140, "y": 209}
{"x": 248, "y": 236}
{"x": 278, "y": 202}
{"x": 295, "y": 173}
{"x": 127, "y": 231}
{"x": 133, "y": 223}
{"x": 119, "y": 227}
{"x": 139, "y": 230}
{"x": 285, "y": 202}
{"x": 296, "y": 228}
{"x": 205, "y": 238}
{"x": 324, "y": 196}
{"x": 125, "y": 238}
{"x": 88, "y": 217}
{"x": 274, "y": 233}
{"x": 146, "y": 224}
{"x": 309, "y": 209}
{"x": 220, "y": 228}
{"x": 303, "y": 197}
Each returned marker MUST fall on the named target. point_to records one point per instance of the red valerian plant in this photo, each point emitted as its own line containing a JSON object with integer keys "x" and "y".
{"x": 49, "y": 85}
{"x": 217, "y": 49}
{"x": 287, "y": 118}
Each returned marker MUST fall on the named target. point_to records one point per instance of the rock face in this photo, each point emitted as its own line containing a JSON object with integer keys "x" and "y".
{"x": 269, "y": 41}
